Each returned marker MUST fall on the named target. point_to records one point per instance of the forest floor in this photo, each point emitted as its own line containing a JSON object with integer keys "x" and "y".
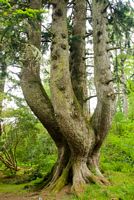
{"x": 35, "y": 196}
{"x": 121, "y": 188}
{"x": 63, "y": 195}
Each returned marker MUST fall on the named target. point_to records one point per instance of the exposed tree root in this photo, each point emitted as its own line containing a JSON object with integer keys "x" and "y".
{"x": 93, "y": 165}
{"x": 104, "y": 180}
{"x": 40, "y": 185}
{"x": 81, "y": 176}
{"x": 60, "y": 165}
{"x": 57, "y": 170}
{"x": 61, "y": 181}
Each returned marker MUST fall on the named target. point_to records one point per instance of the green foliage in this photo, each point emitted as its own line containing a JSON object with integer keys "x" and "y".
{"x": 17, "y": 189}
{"x": 28, "y": 13}
{"x": 131, "y": 104}
{"x": 4, "y": 188}
{"x": 5, "y": 4}
{"x": 31, "y": 142}
{"x": 15, "y": 20}
{"x": 118, "y": 151}
{"x": 117, "y": 158}
{"x": 122, "y": 20}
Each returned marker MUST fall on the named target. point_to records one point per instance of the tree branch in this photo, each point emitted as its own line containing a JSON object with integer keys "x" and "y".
{"x": 90, "y": 97}
{"x": 113, "y": 48}
{"x": 89, "y": 34}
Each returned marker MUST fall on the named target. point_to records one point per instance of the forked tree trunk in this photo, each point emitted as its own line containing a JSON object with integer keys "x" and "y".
{"x": 78, "y": 139}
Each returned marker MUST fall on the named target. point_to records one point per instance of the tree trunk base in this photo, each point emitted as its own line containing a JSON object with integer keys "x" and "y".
{"x": 93, "y": 165}
{"x": 75, "y": 173}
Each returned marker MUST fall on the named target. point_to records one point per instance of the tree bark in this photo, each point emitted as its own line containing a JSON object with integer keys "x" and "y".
{"x": 77, "y": 58}
{"x": 33, "y": 91}
{"x": 102, "y": 117}
{"x": 32, "y": 88}
{"x": 65, "y": 104}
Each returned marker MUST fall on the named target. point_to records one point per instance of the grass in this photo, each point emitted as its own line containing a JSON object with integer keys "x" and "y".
{"x": 12, "y": 188}
{"x": 15, "y": 188}
{"x": 122, "y": 188}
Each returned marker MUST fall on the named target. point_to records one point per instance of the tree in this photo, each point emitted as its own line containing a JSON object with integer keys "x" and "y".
{"x": 77, "y": 135}
{"x": 3, "y": 70}
{"x": 8, "y": 145}
{"x": 121, "y": 23}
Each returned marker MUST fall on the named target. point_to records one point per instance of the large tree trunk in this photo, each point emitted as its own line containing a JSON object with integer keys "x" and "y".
{"x": 72, "y": 123}
{"x": 78, "y": 139}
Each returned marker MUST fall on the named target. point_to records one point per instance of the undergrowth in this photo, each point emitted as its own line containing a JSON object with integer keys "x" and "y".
{"x": 117, "y": 162}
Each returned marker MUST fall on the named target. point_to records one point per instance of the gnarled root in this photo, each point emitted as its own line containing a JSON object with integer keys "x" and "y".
{"x": 50, "y": 179}
{"x": 81, "y": 176}
{"x": 78, "y": 171}
{"x": 93, "y": 165}
{"x": 62, "y": 180}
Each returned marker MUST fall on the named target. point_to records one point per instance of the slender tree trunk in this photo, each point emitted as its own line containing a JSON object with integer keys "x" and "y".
{"x": 125, "y": 99}
{"x": 8, "y": 158}
{"x": 124, "y": 89}
{"x": 116, "y": 71}
{"x": 3, "y": 70}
